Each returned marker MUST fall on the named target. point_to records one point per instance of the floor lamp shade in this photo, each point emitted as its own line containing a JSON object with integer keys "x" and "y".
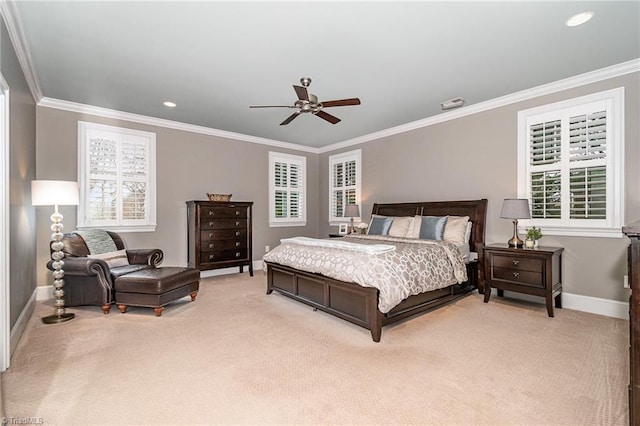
{"x": 515, "y": 208}
{"x": 55, "y": 193}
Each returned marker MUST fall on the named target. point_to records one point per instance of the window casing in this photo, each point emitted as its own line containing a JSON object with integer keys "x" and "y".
{"x": 117, "y": 178}
{"x": 287, "y": 190}
{"x": 344, "y": 184}
{"x": 571, "y": 165}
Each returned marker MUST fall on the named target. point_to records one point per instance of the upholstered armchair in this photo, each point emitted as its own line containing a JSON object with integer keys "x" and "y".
{"x": 93, "y": 260}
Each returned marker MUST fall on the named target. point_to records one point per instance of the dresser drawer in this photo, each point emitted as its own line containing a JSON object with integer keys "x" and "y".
{"x": 222, "y": 234}
{"x": 224, "y": 224}
{"x": 528, "y": 278}
{"x": 223, "y": 212}
{"x": 222, "y": 255}
{"x": 519, "y": 263}
{"x": 216, "y": 244}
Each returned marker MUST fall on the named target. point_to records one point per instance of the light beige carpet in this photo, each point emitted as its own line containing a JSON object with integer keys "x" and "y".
{"x": 239, "y": 356}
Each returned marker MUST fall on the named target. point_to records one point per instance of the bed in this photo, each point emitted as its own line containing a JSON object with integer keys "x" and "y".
{"x": 360, "y": 304}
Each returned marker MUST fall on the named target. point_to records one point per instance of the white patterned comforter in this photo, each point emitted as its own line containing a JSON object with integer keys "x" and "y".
{"x": 415, "y": 266}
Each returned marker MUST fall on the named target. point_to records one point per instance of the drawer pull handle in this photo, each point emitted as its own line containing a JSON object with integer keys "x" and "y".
{"x": 237, "y": 233}
{"x": 516, "y": 274}
{"x": 515, "y": 262}
{"x": 210, "y": 235}
{"x": 237, "y": 213}
{"x": 210, "y": 212}
{"x": 237, "y": 243}
{"x": 210, "y": 257}
{"x": 238, "y": 254}
{"x": 211, "y": 223}
{"x": 210, "y": 245}
{"x": 237, "y": 223}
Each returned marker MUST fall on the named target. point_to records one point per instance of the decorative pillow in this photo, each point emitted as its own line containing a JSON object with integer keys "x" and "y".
{"x": 400, "y": 226}
{"x": 467, "y": 233}
{"x": 114, "y": 259}
{"x": 414, "y": 227}
{"x": 455, "y": 228}
{"x": 380, "y": 225}
{"x": 432, "y": 227}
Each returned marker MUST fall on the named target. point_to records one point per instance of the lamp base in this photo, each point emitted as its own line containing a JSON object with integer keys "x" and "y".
{"x": 515, "y": 243}
{"x": 54, "y": 319}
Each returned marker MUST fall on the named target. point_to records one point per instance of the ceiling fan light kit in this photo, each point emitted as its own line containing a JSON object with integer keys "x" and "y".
{"x": 308, "y": 102}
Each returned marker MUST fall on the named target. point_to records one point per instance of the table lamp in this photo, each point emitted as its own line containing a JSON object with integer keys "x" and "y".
{"x": 352, "y": 210}
{"x": 515, "y": 208}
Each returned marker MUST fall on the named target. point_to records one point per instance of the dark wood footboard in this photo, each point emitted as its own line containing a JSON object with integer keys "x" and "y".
{"x": 352, "y": 302}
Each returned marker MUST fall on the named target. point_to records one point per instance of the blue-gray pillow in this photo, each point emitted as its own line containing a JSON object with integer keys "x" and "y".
{"x": 432, "y": 227}
{"x": 380, "y": 225}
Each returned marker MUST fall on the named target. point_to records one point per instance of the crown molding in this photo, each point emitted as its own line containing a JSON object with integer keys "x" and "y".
{"x": 545, "y": 89}
{"x": 9, "y": 12}
{"x": 169, "y": 124}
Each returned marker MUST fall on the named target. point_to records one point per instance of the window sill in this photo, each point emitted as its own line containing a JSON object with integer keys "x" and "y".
{"x": 284, "y": 224}
{"x": 145, "y": 228}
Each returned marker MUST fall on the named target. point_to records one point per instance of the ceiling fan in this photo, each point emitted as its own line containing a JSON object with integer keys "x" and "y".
{"x": 308, "y": 102}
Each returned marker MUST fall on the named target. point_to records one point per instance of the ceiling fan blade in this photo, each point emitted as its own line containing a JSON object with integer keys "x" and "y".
{"x": 290, "y": 118}
{"x": 330, "y": 118}
{"x": 270, "y": 106}
{"x": 341, "y": 102}
{"x": 302, "y": 92}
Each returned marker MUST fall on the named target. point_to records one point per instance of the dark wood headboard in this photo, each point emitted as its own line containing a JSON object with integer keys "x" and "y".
{"x": 475, "y": 209}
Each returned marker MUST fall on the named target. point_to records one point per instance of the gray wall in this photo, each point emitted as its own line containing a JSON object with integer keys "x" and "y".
{"x": 475, "y": 157}
{"x": 22, "y": 157}
{"x": 188, "y": 166}
{"x": 467, "y": 158}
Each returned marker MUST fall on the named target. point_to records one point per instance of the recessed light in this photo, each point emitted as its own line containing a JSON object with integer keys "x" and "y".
{"x": 169, "y": 104}
{"x": 579, "y": 19}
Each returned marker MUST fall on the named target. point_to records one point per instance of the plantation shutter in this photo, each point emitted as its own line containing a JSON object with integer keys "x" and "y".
{"x": 287, "y": 190}
{"x": 568, "y": 164}
{"x": 588, "y": 184}
{"x": 116, "y": 172}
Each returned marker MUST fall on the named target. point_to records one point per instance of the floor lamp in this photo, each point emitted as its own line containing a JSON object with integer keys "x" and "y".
{"x": 55, "y": 193}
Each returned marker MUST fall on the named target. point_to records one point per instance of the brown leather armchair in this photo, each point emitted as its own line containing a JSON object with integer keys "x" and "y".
{"x": 89, "y": 281}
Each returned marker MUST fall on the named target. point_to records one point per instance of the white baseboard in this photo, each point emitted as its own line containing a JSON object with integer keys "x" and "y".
{"x": 578, "y": 302}
{"x": 23, "y": 319}
{"x": 257, "y": 266}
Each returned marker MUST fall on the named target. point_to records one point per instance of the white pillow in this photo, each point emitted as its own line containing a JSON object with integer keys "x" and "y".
{"x": 400, "y": 226}
{"x": 467, "y": 234}
{"x": 456, "y": 228}
{"x": 114, "y": 258}
{"x": 414, "y": 227}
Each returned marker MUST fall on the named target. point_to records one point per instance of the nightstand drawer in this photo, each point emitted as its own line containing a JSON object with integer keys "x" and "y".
{"x": 533, "y": 279}
{"x": 519, "y": 263}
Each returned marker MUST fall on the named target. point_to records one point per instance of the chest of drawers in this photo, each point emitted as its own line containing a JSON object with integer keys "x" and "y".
{"x": 537, "y": 272}
{"x": 219, "y": 235}
{"x": 633, "y": 265}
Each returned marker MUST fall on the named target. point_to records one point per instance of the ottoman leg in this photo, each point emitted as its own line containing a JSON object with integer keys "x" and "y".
{"x": 106, "y": 308}
{"x": 159, "y": 310}
{"x": 123, "y": 308}
{"x": 193, "y": 295}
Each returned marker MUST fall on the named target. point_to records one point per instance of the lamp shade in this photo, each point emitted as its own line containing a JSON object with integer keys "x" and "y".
{"x": 515, "y": 208}
{"x": 54, "y": 192}
{"x": 352, "y": 210}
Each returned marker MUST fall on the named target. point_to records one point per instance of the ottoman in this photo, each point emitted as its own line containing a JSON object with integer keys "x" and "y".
{"x": 156, "y": 287}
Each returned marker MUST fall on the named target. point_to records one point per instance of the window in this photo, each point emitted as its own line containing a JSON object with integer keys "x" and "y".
{"x": 287, "y": 190}
{"x": 344, "y": 184}
{"x": 571, "y": 165}
{"x": 117, "y": 178}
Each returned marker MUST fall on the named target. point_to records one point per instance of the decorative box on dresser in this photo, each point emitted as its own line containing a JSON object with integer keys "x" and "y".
{"x": 536, "y": 271}
{"x": 219, "y": 234}
{"x": 633, "y": 232}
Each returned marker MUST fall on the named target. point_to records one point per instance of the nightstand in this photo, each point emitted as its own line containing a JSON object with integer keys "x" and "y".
{"x": 537, "y": 272}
